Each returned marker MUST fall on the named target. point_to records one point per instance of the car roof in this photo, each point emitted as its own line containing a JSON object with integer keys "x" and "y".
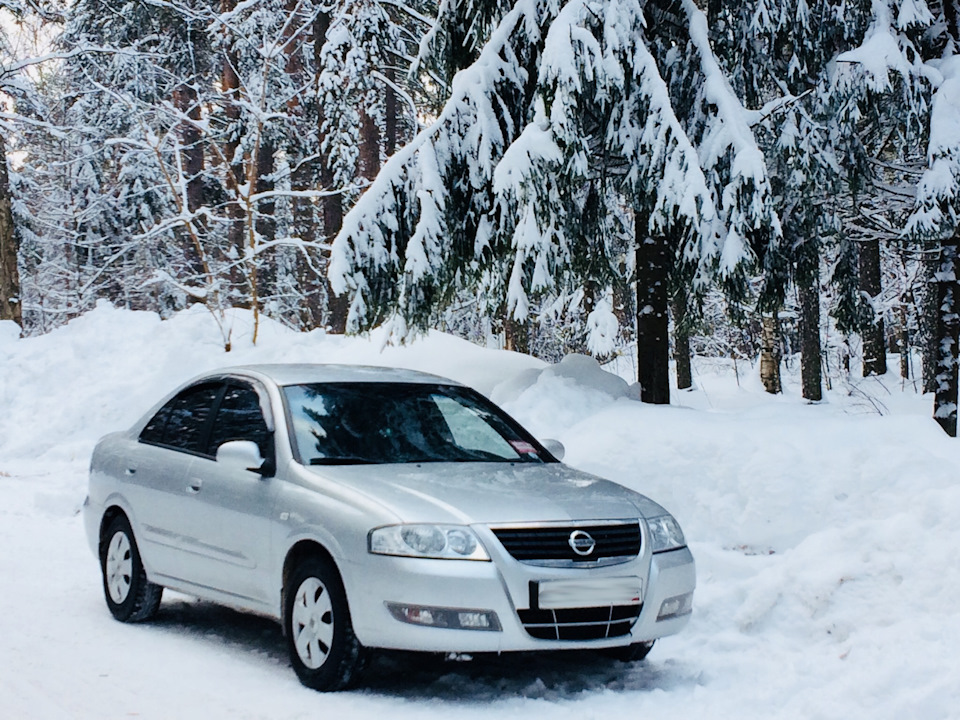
{"x": 304, "y": 373}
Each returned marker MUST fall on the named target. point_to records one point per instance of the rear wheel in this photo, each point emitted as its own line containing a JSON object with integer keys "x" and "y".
{"x": 324, "y": 651}
{"x": 129, "y": 595}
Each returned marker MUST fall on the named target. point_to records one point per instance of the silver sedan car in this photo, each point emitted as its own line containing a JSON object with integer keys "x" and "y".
{"x": 376, "y": 508}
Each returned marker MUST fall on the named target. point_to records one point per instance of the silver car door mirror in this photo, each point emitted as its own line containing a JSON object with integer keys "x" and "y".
{"x": 241, "y": 454}
{"x": 554, "y": 447}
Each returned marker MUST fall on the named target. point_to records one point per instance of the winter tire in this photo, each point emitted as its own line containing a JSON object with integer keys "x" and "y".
{"x": 324, "y": 652}
{"x": 630, "y": 653}
{"x": 130, "y": 596}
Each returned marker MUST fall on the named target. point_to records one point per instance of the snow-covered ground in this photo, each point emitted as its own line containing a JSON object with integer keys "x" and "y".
{"x": 826, "y": 538}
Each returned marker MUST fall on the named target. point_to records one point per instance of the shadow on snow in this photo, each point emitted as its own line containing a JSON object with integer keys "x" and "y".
{"x": 408, "y": 675}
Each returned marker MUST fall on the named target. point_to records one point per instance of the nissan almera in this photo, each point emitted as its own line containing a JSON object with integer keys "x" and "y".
{"x": 368, "y": 508}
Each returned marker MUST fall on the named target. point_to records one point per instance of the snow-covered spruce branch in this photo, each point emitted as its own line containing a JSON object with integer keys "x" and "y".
{"x": 745, "y": 198}
{"x": 471, "y": 115}
{"x": 938, "y": 192}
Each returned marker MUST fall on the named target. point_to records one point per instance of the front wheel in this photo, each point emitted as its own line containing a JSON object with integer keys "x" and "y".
{"x": 324, "y": 651}
{"x": 130, "y": 596}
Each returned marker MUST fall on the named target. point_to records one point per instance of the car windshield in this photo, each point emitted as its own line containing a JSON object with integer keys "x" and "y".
{"x": 354, "y": 423}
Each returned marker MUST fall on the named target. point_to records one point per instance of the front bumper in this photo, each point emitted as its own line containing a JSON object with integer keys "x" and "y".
{"x": 502, "y": 586}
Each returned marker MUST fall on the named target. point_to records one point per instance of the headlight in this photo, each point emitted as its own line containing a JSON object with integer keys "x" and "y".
{"x": 665, "y": 534}
{"x": 446, "y": 542}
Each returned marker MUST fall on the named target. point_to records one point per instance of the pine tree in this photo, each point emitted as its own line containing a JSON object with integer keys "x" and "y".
{"x": 524, "y": 164}
{"x": 747, "y": 229}
{"x": 908, "y": 55}
{"x": 937, "y": 216}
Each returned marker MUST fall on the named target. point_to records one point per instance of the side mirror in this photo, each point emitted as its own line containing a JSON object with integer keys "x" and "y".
{"x": 554, "y": 447}
{"x": 241, "y": 454}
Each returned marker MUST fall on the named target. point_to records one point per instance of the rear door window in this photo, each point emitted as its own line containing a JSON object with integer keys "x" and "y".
{"x": 184, "y": 422}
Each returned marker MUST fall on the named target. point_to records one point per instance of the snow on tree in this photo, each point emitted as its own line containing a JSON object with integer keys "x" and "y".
{"x": 937, "y": 215}
{"x": 564, "y": 110}
{"x": 17, "y": 89}
{"x": 907, "y": 55}
{"x": 408, "y": 240}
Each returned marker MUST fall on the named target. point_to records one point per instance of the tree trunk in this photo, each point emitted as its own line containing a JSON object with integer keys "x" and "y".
{"x": 770, "y": 354}
{"x": 948, "y": 306}
{"x": 948, "y": 336}
{"x": 952, "y": 18}
{"x": 874, "y": 347}
{"x": 369, "y": 146}
{"x": 681, "y": 341}
{"x": 185, "y": 100}
{"x": 331, "y": 206}
{"x": 265, "y": 217}
{"x": 304, "y": 220}
{"x": 810, "y": 363}
{"x": 516, "y": 336}
{"x": 653, "y": 341}
{"x": 928, "y": 316}
{"x": 230, "y": 87}
{"x": 390, "y": 112}
{"x": 10, "y": 307}
{"x": 903, "y": 338}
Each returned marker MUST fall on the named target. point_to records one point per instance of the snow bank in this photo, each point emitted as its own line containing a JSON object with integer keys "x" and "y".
{"x": 824, "y": 534}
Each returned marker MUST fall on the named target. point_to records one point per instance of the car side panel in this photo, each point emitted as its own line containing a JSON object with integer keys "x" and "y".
{"x": 226, "y": 525}
{"x": 152, "y": 480}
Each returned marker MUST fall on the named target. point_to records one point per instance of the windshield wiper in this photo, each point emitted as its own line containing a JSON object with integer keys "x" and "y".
{"x": 346, "y": 460}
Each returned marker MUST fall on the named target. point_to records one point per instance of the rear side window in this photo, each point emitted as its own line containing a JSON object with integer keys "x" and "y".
{"x": 153, "y": 432}
{"x": 183, "y": 422}
{"x": 239, "y": 417}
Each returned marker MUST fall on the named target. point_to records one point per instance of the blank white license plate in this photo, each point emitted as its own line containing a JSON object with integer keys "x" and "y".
{"x": 596, "y": 592}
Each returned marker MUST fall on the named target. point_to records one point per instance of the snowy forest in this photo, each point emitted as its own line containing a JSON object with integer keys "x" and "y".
{"x": 768, "y": 180}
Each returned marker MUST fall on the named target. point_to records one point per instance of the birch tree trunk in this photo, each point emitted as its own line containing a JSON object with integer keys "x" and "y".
{"x": 948, "y": 335}
{"x": 516, "y": 336}
{"x": 770, "y": 354}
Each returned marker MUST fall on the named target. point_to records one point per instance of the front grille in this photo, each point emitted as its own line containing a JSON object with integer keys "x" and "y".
{"x": 580, "y": 623}
{"x": 552, "y": 543}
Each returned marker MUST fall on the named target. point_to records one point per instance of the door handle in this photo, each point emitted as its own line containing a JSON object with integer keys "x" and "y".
{"x": 194, "y": 487}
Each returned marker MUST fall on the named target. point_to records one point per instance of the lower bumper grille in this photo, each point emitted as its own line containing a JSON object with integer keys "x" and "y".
{"x": 580, "y": 623}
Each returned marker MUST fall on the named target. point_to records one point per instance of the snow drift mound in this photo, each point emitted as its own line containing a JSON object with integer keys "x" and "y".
{"x": 824, "y": 537}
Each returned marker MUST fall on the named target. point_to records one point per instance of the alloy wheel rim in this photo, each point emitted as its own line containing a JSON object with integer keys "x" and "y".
{"x": 119, "y": 567}
{"x": 312, "y": 623}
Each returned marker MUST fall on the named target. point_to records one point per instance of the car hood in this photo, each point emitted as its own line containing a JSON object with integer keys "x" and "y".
{"x": 490, "y": 492}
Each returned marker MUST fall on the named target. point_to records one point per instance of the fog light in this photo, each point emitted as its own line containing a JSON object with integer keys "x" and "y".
{"x": 453, "y": 618}
{"x": 675, "y": 607}
{"x": 419, "y": 616}
{"x": 474, "y": 620}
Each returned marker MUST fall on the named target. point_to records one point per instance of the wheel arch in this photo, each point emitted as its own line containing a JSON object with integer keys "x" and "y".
{"x": 109, "y": 515}
{"x": 297, "y": 553}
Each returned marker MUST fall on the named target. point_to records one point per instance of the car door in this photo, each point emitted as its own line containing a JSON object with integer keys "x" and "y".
{"x": 156, "y": 478}
{"x": 232, "y": 509}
